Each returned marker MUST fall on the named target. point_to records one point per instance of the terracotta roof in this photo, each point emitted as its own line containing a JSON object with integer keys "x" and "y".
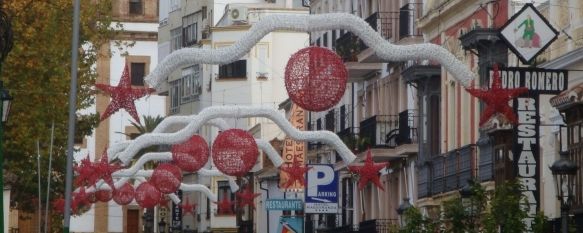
{"x": 567, "y": 98}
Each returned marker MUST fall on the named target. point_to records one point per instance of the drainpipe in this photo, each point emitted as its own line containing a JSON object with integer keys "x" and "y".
{"x": 267, "y": 191}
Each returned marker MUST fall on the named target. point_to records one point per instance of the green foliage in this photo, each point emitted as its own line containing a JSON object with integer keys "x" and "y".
{"x": 506, "y": 211}
{"x": 464, "y": 215}
{"x": 540, "y": 223}
{"x": 415, "y": 222}
{"x": 37, "y": 74}
{"x": 150, "y": 123}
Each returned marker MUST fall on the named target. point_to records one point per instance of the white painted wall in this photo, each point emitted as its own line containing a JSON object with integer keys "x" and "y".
{"x": 152, "y": 105}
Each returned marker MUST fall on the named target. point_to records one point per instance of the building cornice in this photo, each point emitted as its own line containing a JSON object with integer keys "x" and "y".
{"x": 231, "y": 28}
{"x": 564, "y": 60}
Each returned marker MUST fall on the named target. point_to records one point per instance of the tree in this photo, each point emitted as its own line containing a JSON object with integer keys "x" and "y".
{"x": 415, "y": 222}
{"x": 37, "y": 73}
{"x": 506, "y": 211}
{"x": 465, "y": 217}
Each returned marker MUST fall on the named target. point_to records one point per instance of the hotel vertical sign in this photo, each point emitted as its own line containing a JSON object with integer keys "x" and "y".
{"x": 526, "y": 147}
{"x": 294, "y": 150}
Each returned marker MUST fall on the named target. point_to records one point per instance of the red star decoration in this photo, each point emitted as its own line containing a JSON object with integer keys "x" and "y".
{"x": 246, "y": 197}
{"x": 123, "y": 96}
{"x": 296, "y": 172}
{"x": 79, "y": 200}
{"x": 104, "y": 169}
{"x": 59, "y": 205}
{"x": 496, "y": 99}
{"x": 369, "y": 172}
{"x": 225, "y": 205}
{"x": 86, "y": 173}
{"x": 187, "y": 207}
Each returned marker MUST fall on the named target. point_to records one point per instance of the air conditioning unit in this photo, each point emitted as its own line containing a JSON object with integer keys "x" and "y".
{"x": 238, "y": 14}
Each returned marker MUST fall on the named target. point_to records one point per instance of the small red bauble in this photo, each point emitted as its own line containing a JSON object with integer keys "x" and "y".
{"x": 191, "y": 155}
{"x": 315, "y": 78}
{"x": 147, "y": 196}
{"x": 103, "y": 195}
{"x": 235, "y": 152}
{"x": 166, "y": 178}
{"x": 124, "y": 195}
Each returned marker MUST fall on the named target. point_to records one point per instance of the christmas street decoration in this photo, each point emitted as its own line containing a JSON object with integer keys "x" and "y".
{"x": 124, "y": 195}
{"x": 496, "y": 99}
{"x": 246, "y": 197}
{"x": 234, "y": 152}
{"x": 369, "y": 172}
{"x": 123, "y": 96}
{"x": 296, "y": 171}
{"x": 187, "y": 208}
{"x": 166, "y": 178}
{"x": 192, "y": 154}
{"x": 315, "y": 78}
{"x": 147, "y": 195}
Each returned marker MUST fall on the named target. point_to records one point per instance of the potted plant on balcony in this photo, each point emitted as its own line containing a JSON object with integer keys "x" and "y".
{"x": 348, "y": 47}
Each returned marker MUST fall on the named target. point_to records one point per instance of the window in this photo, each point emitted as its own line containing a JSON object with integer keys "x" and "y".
{"x": 189, "y": 30}
{"x": 176, "y": 39}
{"x": 330, "y": 120}
{"x": 204, "y": 12}
{"x": 191, "y": 87}
{"x": 174, "y": 5}
{"x": 236, "y": 69}
{"x": 138, "y": 71}
{"x": 136, "y": 7}
{"x": 175, "y": 90}
{"x": 347, "y": 201}
{"x": 325, "y": 39}
{"x": 224, "y": 191}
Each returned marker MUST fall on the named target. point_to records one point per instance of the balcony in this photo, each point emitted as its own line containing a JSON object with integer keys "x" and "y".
{"x": 420, "y": 70}
{"x": 450, "y": 171}
{"x": 398, "y": 133}
{"x": 398, "y": 27}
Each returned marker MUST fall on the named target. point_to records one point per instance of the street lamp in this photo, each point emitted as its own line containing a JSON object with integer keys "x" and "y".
{"x": 564, "y": 171}
{"x": 403, "y": 208}
{"x": 466, "y": 194}
{"x": 162, "y": 226}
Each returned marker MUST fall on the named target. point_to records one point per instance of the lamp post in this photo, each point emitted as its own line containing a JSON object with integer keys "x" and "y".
{"x": 466, "y": 194}
{"x": 5, "y": 100}
{"x": 6, "y": 43}
{"x": 162, "y": 226}
{"x": 564, "y": 171}
{"x": 402, "y": 209}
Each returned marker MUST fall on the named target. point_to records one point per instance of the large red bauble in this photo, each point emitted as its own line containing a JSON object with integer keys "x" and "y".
{"x": 315, "y": 78}
{"x": 191, "y": 155}
{"x": 124, "y": 195}
{"x": 147, "y": 196}
{"x": 235, "y": 152}
{"x": 103, "y": 195}
{"x": 166, "y": 178}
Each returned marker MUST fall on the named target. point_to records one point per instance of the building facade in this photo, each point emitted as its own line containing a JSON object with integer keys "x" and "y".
{"x": 136, "y": 48}
{"x": 255, "y": 80}
{"x": 378, "y": 112}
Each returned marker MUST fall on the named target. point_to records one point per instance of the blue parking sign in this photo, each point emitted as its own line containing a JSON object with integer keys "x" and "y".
{"x": 321, "y": 189}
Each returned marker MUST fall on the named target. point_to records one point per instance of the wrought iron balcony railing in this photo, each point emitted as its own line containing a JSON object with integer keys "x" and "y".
{"x": 389, "y": 131}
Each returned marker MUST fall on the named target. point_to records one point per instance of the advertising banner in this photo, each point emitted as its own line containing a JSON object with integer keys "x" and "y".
{"x": 294, "y": 150}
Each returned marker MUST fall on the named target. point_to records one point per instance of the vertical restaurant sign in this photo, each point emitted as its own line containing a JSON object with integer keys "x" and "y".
{"x": 293, "y": 149}
{"x": 526, "y": 150}
{"x": 177, "y": 213}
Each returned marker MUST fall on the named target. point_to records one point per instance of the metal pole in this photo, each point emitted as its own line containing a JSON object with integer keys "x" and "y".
{"x": 564, "y": 218}
{"x": 49, "y": 176}
{"x": 1, "y": 160}
{"x": 39, "y": 186}
{"x": 72, "y": 114}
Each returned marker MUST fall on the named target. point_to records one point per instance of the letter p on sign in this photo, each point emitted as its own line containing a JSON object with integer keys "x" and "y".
{"x": 319, "y": 176}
